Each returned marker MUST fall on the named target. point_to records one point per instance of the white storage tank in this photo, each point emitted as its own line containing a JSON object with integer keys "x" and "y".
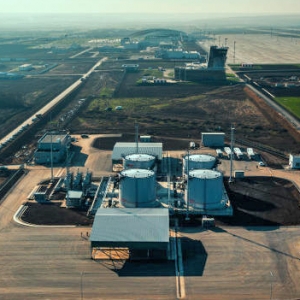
{"x": 139, "y": 161}
{"x": 137, "y": 188}
{"x": 198, "y": 161}
{"x": 205, "y": 189}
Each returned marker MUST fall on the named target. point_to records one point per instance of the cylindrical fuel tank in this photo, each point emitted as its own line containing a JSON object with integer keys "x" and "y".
{"x": 205, "y": 189}
{"x": 198, "y": 161}
{"x": 137, "y": 188}
{"x": 139, "y": 161}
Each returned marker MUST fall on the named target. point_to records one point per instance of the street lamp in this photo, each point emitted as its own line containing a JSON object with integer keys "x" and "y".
{"x": 81, "y": 285}
{"x": 271, "y": 285}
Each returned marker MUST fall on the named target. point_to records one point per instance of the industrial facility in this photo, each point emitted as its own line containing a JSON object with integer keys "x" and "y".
{"x": 214, "y": 71}
{"x": 142, "y": 195}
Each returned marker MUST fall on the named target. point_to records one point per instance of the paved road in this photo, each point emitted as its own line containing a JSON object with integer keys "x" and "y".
{"x": 50, "y": 263}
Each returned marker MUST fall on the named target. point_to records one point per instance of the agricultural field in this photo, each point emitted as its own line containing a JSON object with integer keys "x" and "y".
{"x": 292, "y": 104}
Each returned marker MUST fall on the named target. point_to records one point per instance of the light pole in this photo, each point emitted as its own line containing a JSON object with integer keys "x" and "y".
{"x": 271, "y": 285}
{"x": 81, "y": 285}
{"x": 231, "y": 154}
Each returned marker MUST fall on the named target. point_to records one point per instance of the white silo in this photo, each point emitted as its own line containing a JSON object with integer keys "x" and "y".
{"x": 137, "y": 188}
{"x": 139, "y": 161}
{"x": 205, "y": 189}
{"x": 198, "y": 161}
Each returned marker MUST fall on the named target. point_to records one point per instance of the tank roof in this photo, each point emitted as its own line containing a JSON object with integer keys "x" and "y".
{"x": 205, "y": 174}
{"x": 137, "y": 173}
{"x": 200, "y": 157}
{"x": 139, "y": 157}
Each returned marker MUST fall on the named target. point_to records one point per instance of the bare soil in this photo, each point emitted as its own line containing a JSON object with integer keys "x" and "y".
{"x": 256, "y": 201}
{"x": 54, "y": 214}
{"x": 263, "y": 201}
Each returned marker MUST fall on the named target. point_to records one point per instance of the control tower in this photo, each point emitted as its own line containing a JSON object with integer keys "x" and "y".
{"x": 217, "y": 58}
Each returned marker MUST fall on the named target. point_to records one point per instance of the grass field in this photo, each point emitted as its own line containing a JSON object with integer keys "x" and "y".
{"x": 292, "y": 104}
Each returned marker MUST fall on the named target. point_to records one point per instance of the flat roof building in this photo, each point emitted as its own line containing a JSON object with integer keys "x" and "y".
{"x": 122, "y": 149}
{"x": 132, "y": 228}
{"x": 51, "y": 145}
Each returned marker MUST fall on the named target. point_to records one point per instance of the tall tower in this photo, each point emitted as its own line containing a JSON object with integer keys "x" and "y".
{"x": 217, "y": 58}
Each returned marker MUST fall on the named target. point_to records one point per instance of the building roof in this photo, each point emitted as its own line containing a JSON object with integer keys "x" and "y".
{"x": 212, "y": 133}
{"x": 74, "y": 194}
{"x": 131, "y": 225}
{"x": 122, "y": 149}
{"x": 56, "y": 138}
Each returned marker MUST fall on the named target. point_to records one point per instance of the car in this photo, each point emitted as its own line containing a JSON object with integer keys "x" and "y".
{"x": 261, "y": 164}
{"x": 118, "y": 108}
{"x": 85, "y": 136}
{"x": 108, "y": 109}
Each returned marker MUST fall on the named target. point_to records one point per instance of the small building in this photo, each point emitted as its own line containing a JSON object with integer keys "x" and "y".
{"x": 74, "y": 199}
{"x": 40, "y": 195}
{"x": 145, "y": 138}
{"x": 130, "y": 67}
{"x": 213, "y": 139}
{"x": 122, "y": 149}
{"x": 294, "y": 161}
{"x": 52, "y": 146}
{"x": 239, "y": 174}
{"x": 142, "y": 230}
{"x": 26, "y": 67}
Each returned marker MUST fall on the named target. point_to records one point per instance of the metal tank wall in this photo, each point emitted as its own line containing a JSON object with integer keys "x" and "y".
{"x": 137, "y": 188}
{"x": 198, "y": 161}
{"x": 139, "y": 161}
{"x": 205, "y": 189}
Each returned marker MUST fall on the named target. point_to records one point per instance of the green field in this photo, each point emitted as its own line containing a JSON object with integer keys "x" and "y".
{"x": 292, "y": 104}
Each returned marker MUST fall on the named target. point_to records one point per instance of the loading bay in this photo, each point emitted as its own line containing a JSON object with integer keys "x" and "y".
{"x": 222, "y": 263}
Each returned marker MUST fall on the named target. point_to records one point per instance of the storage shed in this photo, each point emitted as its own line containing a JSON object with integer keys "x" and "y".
{"x": 213, "y": 139}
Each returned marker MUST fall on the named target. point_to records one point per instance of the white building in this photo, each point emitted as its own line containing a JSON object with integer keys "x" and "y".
{"x": 25, "y": 67}
{"x": 294, "y": 161}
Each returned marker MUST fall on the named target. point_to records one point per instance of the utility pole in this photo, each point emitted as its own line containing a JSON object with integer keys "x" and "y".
{"x": 234, "y": 51}
{"x": 187, "y": 218}
{"x": 231, "y": 154}
{"x": 51, "y": 156}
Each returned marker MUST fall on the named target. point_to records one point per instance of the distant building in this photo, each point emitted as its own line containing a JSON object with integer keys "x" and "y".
{"x": 178, "y": 54}
{"x": 217, "y": 57}
{"x": 214, "y": 71}
{"x": 132, "y": 46}
{"x": 52, "y": 145}
{"x": 130, "y": 67}
{"x": 294, "y": 161}
{"x": 26, "y": 67}
{"x": 199, "y": 74}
